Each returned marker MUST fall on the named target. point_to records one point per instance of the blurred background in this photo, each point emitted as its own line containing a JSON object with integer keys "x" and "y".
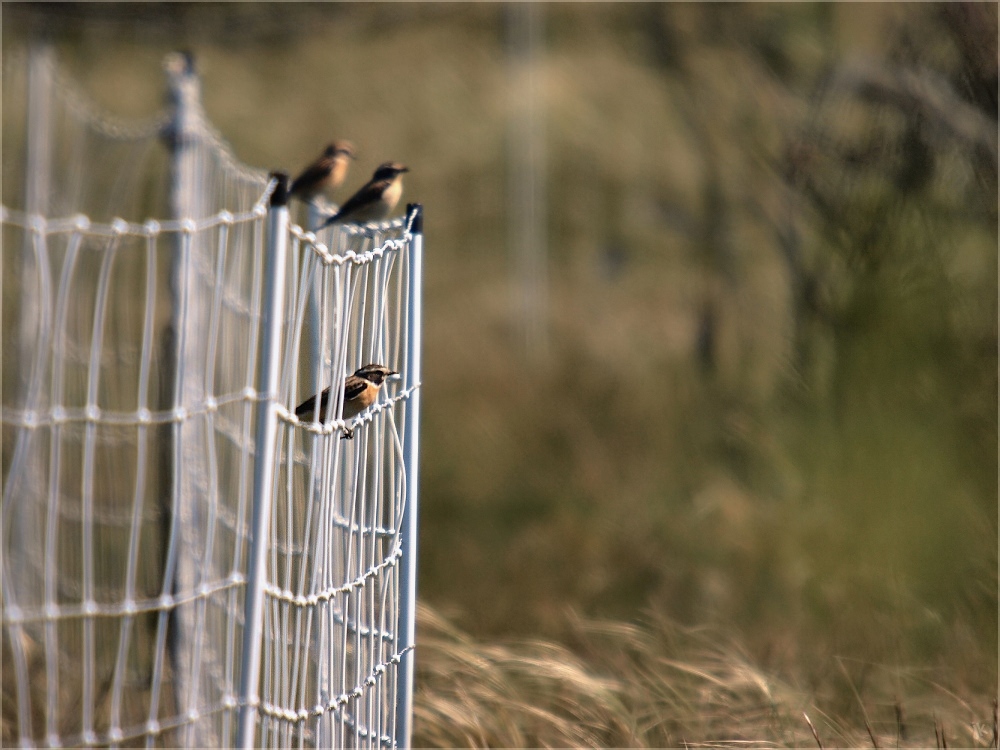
{"x": 711, "y": 320}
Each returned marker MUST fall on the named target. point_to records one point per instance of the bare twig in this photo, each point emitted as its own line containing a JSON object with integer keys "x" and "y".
{"x": 812, "y": 729}
{"x": 937, "y": 734}
{"x": 996, "y": 723}
{"x": 871, "y": 734}
{"x": 927, "y": 92}
{"x": 857, "y": 695}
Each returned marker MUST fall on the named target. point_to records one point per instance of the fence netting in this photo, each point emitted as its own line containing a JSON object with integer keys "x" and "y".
{"x": 131, "y": 360}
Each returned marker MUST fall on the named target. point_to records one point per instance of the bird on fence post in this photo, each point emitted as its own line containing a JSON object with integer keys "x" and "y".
{"x": 376, "y": 199}
{"x": 326, "y": 174}
{"x": 360, "y": 391}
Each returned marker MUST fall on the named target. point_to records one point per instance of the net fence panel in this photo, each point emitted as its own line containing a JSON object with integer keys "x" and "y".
{"x": 332, "y": 609}
{"x": 130, "y": 357}
{"x": 96, "y": 531}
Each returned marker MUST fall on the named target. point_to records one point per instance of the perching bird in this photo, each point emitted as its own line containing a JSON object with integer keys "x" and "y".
{"x": 326, "y": 174}
{"x": 360, "y": 391}
{"x": 374, "y": 201}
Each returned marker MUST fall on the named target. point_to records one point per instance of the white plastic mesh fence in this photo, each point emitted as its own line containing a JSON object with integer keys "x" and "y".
{"x": 131, "y": 354}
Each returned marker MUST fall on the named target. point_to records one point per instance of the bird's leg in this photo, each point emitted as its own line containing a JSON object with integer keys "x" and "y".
{"x": 348, "y": 434}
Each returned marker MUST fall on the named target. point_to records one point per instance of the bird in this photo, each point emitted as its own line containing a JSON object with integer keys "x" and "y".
{"x": 360, "y": 391}
{"x": 326, "y": 173}
{"x": 376, "y": 199}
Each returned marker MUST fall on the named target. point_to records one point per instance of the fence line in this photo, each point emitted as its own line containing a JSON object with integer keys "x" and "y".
{"x": 186, "y": 562}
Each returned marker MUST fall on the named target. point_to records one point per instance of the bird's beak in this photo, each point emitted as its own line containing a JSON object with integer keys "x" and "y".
{"x": 393, "y": 376}
{"x": 405, "y": 169}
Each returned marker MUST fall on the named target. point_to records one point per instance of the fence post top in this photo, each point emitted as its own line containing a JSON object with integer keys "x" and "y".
{"x": 179, "y": 64}
{"x": 279, "y": 196}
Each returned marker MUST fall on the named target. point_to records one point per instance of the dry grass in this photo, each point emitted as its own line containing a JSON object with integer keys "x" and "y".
{"x": 617, "y": 684}
{"x": 658, "y": 684}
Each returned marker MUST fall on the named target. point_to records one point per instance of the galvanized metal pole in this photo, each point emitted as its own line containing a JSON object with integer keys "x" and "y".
{"x": 315, "y": 375}
{"x": 314, "y": 218}
{"x": 34, "y": 323}
{"x": 24, "y": 579}
{"x": 526, "y": 188}
{"x": 181, "y": 511}
{"x": 273, "y": 306}
{"x": 407, "y": 627}
{"x": 39, "y": 134}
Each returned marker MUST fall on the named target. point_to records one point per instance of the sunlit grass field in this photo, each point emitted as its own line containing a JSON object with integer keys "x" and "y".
{"x": 752, "y": 474}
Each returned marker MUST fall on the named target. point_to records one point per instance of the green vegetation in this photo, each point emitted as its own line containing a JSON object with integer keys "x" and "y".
{"x": 754, "y": 471}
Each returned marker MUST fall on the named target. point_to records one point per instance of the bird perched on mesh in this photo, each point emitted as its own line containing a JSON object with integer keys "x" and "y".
{"x": 360, "y": 391}
{"x": 326, "y": 174}
{"x": 374, "y": 201}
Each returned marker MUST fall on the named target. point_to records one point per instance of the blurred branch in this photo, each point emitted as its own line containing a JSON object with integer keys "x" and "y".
{"x": 926, "y": 92}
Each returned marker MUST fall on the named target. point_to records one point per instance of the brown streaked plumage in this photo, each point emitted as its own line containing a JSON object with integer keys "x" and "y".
{"x": 360, "y": 391}
{"x": 326, "y": 174}
{"x": 376, "y": 199}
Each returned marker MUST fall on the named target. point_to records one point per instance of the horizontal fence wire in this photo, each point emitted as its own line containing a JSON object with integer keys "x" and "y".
{"x": 128, "y": 419}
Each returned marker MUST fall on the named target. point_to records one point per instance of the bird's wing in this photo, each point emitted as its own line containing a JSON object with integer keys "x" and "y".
{"x": 354, "y": 387}
{"x": 306, "y": 406}
{"x": 312, "y": 174}
{"x": 364, "y": 197}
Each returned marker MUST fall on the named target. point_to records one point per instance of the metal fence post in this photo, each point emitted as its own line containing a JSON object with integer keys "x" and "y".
{"x": 23, "y": 580}
{"x": 39, "y": 133}
{"x": 34, "y": 324}
{"x": 273, "y": 305}
{"x": 182, "y": 511}
{"x": 408, "y": 565}
{"x": 526, "y": 188}
{"x": 314, "y": 217}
